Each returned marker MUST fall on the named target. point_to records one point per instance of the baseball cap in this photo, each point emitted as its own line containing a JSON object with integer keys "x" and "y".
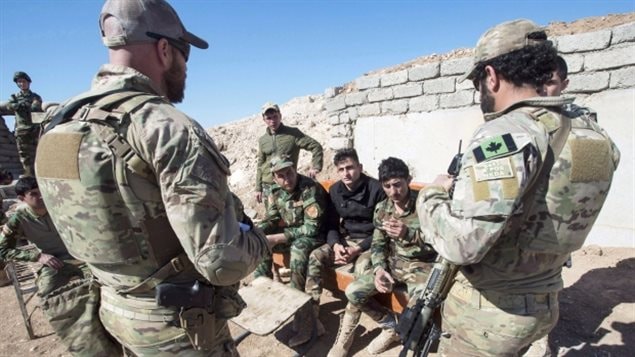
{"x": 144, "y": 21}
{"x": 504, "y": 38}
{"x": 269, "y": 105}
{"x": 279, "y": 162}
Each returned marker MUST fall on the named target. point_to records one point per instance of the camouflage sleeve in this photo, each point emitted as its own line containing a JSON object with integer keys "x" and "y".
{"x": 487, "y": 192}
{"x": 9, "y": 236}
{"x": 192, "y": 175}
{"x": 313, "y": 206}
{"x": 261, "y": 161}
{"x": 272, "y": 216}
{"x": 308, "y": 143}
{"x": 36, "y": 104}
{"x": 379, "y": 245}
{"x": 12, "y": 104}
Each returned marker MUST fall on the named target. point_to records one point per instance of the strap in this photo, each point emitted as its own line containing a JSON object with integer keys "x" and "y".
{"x": 176, "y": 265}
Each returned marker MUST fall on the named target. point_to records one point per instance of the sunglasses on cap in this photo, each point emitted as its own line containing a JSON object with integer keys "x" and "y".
{"x": 180, "y": 45}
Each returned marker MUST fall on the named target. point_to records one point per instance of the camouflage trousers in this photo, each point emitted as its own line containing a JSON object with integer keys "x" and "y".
{"x": 322, "y": 259}
{"x": 494, "y": 324}
{"x": 70, "y": 300}
{"x": 299, "y": 250}
{"x": 411, "y": 273}
{"x": 26, "y": 141}
{"x": 146, "y": 329}
{"x": 266, "y": 190}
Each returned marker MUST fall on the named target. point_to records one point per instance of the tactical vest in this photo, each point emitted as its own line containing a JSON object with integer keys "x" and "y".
{"x": 563, "y": 202}
{"x": 104, "y": 197}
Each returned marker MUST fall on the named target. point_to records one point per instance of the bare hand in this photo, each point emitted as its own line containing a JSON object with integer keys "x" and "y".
{"x": 394, "y": 228}
{"x": 258, "y": 197}
{"x": 312, "y": 173}
{"x": 50, "y": 261}
{"x": 383, "y": 281}
{"x": 353, "y": 252}
{"x": 444, "y": 181}
{"x": 341, "y": 255}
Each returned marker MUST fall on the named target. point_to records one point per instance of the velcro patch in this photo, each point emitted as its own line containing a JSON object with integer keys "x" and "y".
{"x": 58, "y": 156}
{"x": 493, "y": 170}
{"x": 312, "y": 211}
{"x": 298, "y": 204}
{"x": 494, "y": 146}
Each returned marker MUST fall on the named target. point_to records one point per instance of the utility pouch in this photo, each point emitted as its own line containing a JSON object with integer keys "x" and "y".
{"x": 227, "y": 302}
{"x": 199, "y": 325}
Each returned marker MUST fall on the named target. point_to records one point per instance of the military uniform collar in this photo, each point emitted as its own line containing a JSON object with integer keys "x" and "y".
{"x": 122, "y": 77}
{"x": 280, "y": 128}
{"x": 29, "y": 211}
{"x": 531, "y": 102}
{"x": 410, "y": 205}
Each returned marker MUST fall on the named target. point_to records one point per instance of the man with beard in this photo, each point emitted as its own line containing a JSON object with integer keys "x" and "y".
{"x": 139, "y": 192}
{"x": 531, "y": 185}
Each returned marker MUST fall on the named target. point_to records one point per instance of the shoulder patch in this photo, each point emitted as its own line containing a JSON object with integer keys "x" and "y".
{"x": 494, "y": 146}
{"x": 493, "y": 170}
{"x": 312, "y": 211}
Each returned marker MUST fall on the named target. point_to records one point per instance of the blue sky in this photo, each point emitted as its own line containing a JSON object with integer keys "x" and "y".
{"x": 262, "y": 50}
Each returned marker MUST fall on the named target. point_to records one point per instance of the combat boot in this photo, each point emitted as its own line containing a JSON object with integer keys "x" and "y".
{"x": 387, "y": 336}
{"x": 303, "y": 324}
{"x": 345, "y": 334}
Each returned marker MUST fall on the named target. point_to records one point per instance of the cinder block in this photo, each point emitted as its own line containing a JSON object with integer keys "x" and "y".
{"x": 335, "y": 104}
{"x": 612, "y": 58}
{"x": 355, "y": 98}
{"x": 394, "y": 78}
{"x": 456, "y": 66}
{"x": 367, "y": 110}
{"x": 394, "y": 106}
{"x": 378, "y": 95}
{"x": 623, "y": 78}
{"x": 623, "y": 33}
{"x": 574, "y": 62}
{"x": 424, "y": 71}
{"x": 439, "y": 85}
{"x": 424, "y": 103}
{"x": 408, "y": 90}
{"x": 588, "y": 82}
{"x": 588, "y": 41}
{"x": 366, "y": 82}
{"x": 340, "y": 143}
{"x": 458, "y": 99}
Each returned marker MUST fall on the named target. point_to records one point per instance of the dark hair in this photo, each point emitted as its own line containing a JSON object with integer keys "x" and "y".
{"x": 392, "y": 168}
{"x": 5, "y": 175}
{"x": 25, "y": 184}
{"x": 562, "y": 68}
{"x": 529, "y": 65}
{"x": 343, "y": 154}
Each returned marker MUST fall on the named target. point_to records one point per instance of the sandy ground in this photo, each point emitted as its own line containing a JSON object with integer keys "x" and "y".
{"x": 597, "y": 317}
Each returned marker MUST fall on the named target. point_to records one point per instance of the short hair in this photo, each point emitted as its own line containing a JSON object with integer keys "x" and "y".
{"x": 391, "y": 168}
{"x": 343, "y": 154}
{"x": 25, "y": 184}
{"x": 528, "y": 65}
{"x": 5, "y": 175}
{"x": 562, "y": 68}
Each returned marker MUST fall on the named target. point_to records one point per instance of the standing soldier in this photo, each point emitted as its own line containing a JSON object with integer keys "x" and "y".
{"x": 23, "y": 103}
{"x": 138, "y": 191}
{"x": 532, "y": 183}
{"x": 295, "y": 223}
{"x": 280, "y": 139}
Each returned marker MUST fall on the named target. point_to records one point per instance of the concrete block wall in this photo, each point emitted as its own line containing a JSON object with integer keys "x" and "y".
{"x": 598, "y": 61}
{"x": 9, "y": 159}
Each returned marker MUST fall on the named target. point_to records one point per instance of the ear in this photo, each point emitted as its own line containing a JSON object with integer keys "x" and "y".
{"x": 164, "y": 53}
{"x": 492, "y": 79}
{"x": 21, "y": 198}
{"x": 409, "y": 179}
{"x": 565, "y": 84}
{"x": 361, "y": 167}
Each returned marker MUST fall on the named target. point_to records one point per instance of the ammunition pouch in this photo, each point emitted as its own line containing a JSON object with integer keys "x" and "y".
{"x": 198, "y": 324}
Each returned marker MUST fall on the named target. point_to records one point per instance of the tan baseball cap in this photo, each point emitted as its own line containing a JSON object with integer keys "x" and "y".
{"x": 504, "y": 38}
{"x": 144, "y": 21}
{"x": 268, "y": 106}
{"x": 279, "y": 162}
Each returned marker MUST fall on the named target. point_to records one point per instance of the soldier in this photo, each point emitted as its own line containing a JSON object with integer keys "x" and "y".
{"x": 138, "y": 190}
{"x": 31, "y": 221}
{"x": 294, "y": 222}
{"x": 398, "y": 256}
{"x": 350, "y": 230}
{"x": 280, "y": 139}
{"x": 23, "y": 103}
{"x": 532, "y": 183}
{"x": 558, "y": 83}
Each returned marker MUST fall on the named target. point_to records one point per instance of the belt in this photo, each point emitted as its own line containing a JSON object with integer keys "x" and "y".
{"x": 121, "y": 305}
{"x": 514, "y": 303}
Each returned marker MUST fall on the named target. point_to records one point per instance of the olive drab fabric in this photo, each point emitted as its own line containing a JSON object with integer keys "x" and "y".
{"x": 23, "y": 104}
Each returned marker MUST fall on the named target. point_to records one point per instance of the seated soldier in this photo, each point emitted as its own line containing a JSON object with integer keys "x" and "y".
{"x": 398, "y": 255}
{"x": 353, "y": 199}
{"x": 293, "y": 222}
{"x": 59, "y": 270}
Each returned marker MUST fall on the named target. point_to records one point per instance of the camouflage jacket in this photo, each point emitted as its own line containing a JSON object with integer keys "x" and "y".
{"x": 33, "y": 100}
{"x": 511, "y": 227}
{"x": 126, "y": 225}
{"x": 384, "y": 250}
{"x": 39, "y": 230}
{"x": 287, "y": 140}
{"x": 300, "y": 213}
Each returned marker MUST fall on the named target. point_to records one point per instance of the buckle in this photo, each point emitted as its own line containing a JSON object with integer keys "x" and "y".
{"x": 177, "y": 265}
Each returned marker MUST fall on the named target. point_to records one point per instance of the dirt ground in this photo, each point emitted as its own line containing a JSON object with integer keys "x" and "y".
{"x": 597, "y": 317}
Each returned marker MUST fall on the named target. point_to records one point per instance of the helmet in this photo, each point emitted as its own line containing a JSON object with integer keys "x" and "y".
{"x": 22, "y": 75}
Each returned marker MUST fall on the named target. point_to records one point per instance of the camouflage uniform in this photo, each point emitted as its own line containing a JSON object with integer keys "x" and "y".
{"x": 511, "y": 236}
{"x": 286, "y": 140}
{"x": 355, "y": 208}
{"x": 112, "y": 211}
{"x": 300, "y": 216}
{"x": 73, "y": 326}
{"x": 26, "y": 134}
{"x": 407, "y": 260}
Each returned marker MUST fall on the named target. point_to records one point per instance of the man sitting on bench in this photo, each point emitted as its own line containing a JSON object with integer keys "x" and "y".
{"x": 398, "y": 255}
{"x": 294, "y": 222}
{"x": 353, "y": 198}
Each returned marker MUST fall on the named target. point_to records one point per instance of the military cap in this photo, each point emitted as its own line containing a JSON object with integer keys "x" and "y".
{"x": 145, "y": 21}
{"x": 269, "y": 106}
{"x": 504, "y": 38}
{"x": 279, "y": 162}
{"x": 23, "y": 75}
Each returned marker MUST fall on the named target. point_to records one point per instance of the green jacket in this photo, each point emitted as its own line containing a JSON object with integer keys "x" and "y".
{"x": 287, "y": 140}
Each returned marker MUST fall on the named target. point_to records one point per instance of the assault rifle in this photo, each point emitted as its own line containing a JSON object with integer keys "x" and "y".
{"x": 417, "y": 328}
